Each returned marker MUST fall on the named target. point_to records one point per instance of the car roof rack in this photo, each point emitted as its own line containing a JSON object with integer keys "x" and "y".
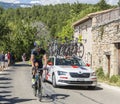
{"x": 73, "y": 56}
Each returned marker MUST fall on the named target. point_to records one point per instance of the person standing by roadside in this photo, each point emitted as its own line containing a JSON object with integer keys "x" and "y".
{"x": 6, "y": 61}
{"x": 0, "y": 62}
{"x": 24, "y": 57}
{"x": 2, "y": 59}
{"x": 9, "y": 57}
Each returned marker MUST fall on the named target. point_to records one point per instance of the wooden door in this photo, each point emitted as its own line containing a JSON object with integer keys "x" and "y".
{"x": 108, "y": 57}
{"x": 119, "y": 58}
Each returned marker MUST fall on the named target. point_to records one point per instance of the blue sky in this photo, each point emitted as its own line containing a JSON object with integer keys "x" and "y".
{"x": 44, "y": 2}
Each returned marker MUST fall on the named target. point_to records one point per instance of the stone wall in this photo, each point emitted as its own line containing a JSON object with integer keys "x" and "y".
{"x": 104, "y": 38}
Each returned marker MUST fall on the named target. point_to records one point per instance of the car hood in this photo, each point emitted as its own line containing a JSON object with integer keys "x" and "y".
{"x": 73, "y": 68}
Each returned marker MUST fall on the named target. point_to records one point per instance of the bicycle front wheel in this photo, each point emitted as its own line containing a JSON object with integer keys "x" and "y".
{"x": 40, "y": 88}
{"x": 35, "y": 89}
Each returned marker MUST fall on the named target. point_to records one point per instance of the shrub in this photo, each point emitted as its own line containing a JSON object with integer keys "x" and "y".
{"x": 100, "y": 74}
{"x": 114, "y": 79}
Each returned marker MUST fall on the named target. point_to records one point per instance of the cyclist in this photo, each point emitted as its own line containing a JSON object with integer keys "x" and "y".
{"x": 38, "y": 55}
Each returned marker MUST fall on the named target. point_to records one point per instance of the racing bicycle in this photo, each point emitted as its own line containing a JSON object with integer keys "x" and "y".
{"x": 38, "y": 88}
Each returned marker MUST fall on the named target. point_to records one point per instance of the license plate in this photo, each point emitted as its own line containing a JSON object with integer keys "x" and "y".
{"x": 79, "y": 79}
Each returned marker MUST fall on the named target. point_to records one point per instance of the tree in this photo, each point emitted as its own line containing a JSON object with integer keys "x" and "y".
{"x": 119, "y": 3}
{"x": 4, "y": 31}
{"x": 103, "y": 5}
{"x": 1, "y": 10}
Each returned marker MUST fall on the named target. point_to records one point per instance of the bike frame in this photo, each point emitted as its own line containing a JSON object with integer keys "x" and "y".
{"x": 38, "y": 82}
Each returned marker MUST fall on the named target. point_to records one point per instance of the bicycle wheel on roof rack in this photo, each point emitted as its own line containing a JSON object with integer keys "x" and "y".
{"x": 50, "y": 49}
{"x": 61, "y": 51}
{"x": 80, "y": 50}
{"x": 67, "y": 51}
{"x": 58, "y": 49}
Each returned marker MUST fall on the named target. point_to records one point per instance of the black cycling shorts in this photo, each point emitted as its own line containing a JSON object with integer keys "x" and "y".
{"x": 39, "y": 63}
{"x": 40, "y": 70}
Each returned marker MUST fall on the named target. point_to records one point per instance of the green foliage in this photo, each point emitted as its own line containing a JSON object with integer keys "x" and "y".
{"x": 20, "y": 27}
{"x": 4, "y": 31}
{"x": 119, "y": 3}
{"x": 1, "y": 10}
{"x": 100, "y": 74}
{"x": 114, "y": 79}
{"x": 103, "y": 5}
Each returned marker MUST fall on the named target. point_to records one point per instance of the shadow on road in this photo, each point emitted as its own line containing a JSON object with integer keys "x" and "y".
{"x": 9, "y": 70}
{"x": 4, "y": 73}
{"x": 22, "y": 64}
{"x": 80, "y": 88}
{"x": 5, "y": 92}
{"x": 59, "y": 96}
{"x": 4, "y": 79}
{"x": 5, "y": 82}
{"x": 54, "y": 98}
{"x": 6, "y": 86}
{"x": 15, "y": 100}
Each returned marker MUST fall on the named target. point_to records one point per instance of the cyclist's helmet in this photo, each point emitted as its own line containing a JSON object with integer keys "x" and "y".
{"x": 37, "y": 44}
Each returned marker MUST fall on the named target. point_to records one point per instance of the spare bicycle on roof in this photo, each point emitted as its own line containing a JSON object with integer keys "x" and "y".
{"x": 68, "y": 48}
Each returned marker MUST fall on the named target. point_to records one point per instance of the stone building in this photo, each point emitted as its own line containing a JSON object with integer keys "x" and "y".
{"x": 100, "y": 33}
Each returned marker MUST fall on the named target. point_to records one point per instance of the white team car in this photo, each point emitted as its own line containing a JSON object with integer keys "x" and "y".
{"x": 70, "y": 71}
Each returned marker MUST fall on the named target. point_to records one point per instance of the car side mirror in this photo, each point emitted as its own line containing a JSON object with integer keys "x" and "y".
{"x": 87, "y": 64}
{"x": 50, "y": 63}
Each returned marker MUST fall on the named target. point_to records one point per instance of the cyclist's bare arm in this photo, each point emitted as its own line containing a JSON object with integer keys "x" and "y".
{"x": 45, "y": 60}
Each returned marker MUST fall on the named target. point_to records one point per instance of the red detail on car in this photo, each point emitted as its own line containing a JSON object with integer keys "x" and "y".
{"x": 74, "y": 66}
{"x": 94, "y": 78}
{"x": 64, "y": 77}
{"x": 87, "y": 64}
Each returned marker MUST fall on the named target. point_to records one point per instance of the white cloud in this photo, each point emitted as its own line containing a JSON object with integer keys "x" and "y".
{"x": 114, "y": 2}
{"x": 46, "y": 2}
{"x": 10, "y": 1}
{"x": 35, "y": 1}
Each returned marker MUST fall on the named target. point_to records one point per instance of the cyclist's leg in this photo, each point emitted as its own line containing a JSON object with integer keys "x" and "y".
{"x": 33, "y": 76}
{"x": 34, "y": 70}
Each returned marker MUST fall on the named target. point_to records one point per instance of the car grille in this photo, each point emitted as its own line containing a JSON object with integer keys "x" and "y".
{"x": 81, "y": 75}
{"x": 76, "y": 82}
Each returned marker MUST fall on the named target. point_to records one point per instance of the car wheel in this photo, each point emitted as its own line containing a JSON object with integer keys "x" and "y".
{"x": 54, "y": 81}
{"x": 91, "y": 87}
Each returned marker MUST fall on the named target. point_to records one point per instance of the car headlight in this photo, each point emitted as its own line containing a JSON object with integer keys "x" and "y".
{"x": 61, "y": 73}
{"x": 93, "y": 74}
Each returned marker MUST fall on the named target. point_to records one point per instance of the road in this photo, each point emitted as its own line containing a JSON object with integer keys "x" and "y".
{"x": 15, "y": 88}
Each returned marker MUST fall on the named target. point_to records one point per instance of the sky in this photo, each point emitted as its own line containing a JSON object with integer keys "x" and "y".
{"x": 44, "y": 2}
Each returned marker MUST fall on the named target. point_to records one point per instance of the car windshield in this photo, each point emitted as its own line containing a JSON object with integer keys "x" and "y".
{"x": 71, "y": 61}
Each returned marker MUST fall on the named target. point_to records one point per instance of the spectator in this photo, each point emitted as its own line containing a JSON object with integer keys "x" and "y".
{"x": 24, "y": 57}
{"x": 9, "y": 57}
{"x": 6, "y": 61}
{"x": 12, "y": 58}
{"x": 0, "y": 62}
{"x": 2, "y": 59}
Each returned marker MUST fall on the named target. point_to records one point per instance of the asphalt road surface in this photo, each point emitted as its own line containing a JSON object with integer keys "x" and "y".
{"x": 15, "y": 88}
